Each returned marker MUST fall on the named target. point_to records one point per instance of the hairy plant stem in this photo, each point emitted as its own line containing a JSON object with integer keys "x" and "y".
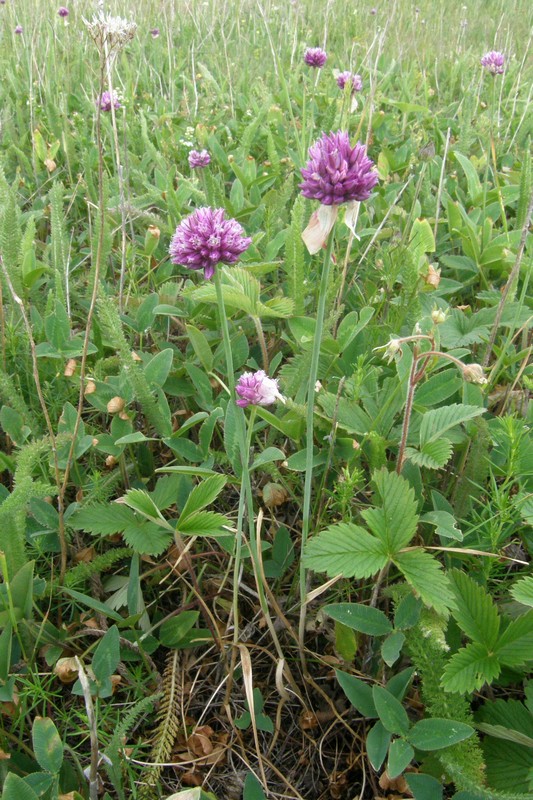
{"x": 411, "y": 385}
{"x": 262, "y": 342}
{"x": 308, "y": 484}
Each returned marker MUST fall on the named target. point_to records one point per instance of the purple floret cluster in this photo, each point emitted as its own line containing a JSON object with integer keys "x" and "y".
{"x": 350, "y": 77}
{"x": 107, "y": 100}
{"x": 493, "y": 62}
{"x": 198, "y": 159}
{"x": 337, "y": 172}
{"x": 62, "y": 11}
{"x": 256, "y": 389}
{"x": 315, "y": 57}
{"x": 205, "y": 238}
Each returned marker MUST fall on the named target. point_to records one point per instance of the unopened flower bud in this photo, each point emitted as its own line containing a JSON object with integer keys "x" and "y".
{"x": 115, "y": 405}
{"x": 110, "y": 461}
{"x": 151, "y": 239}
{"x": 438, "y": 316}
{"x": 473, "y": 373}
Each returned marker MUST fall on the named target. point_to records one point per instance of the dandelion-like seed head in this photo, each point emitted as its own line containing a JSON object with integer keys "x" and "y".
{"x": 337, "y": 172}
{"x": 493, "y": 62}
{"x": 257, "y": 389}
{"x": 206, "y": 238}
{"x": 110, "y": 34}
{"x": 198, "y": 159}
{"x": 315, "y": 57}
{"x": 348, "y": 77}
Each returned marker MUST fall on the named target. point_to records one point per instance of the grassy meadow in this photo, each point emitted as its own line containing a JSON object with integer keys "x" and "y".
{"x": 322, "y": 591}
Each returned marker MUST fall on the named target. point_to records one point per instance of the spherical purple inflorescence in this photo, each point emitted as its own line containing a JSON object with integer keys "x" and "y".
{"x": 19, "y": 29}
{"x": 337, "y": 172}
{"x": 62, "y": 11}
{"x": 493, "y": 62}
{"x": 205, "y": 238}
{"x": 349, "y": 77}
{"x": 315, "y": 57}
{"x": 198, "y": 159}
{"x": 155, "y": 33}
{"x": 256, "y": 389}
{"x": 107, "y": 100}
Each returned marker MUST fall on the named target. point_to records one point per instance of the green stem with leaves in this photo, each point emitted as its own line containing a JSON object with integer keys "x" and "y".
{"x": 308, "y": 485}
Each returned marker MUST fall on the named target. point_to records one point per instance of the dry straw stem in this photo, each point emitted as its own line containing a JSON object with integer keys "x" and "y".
{"x": 91, "y": 719}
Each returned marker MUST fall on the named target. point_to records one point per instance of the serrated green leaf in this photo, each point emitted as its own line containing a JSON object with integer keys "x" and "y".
{"x": 141, "y": 502}
{"x": 439, "y": 420}
{"x": 522, "y": 591}
{"x": 469, "y": 669}
{"x": 394, "y": 524}
{"x": 204, "y": 523}
{"x": 347, "y": 550}
{"x": 391, "y": 712}
{"x": 146, "y": 538}
{"x": 515, "y": 645}
{"x": 435, "y": 734}
{"x": 276, "y": 307}
{"x": 474, "y": 610}
{"x": 360, "y": 617}
{"x": 103, "y": 519}
{"x": 425, "y": 574}
{"x": 202, "y": 495}
{"x": 432, "y": 455}
{"x": 508, "y": 761}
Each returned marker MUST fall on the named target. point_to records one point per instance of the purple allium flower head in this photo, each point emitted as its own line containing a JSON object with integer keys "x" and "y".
{"x": 155, "y": 33}
{"x": 315, "y": 57}
{"x": 256, "y": 389}
{"x": 337, "y": 172}
{"x": 62, "y": 11}
{"x": 205, "y": 238}
{"x": 346, "y": 77}
{"x": 19, "y": 29}
{"x": 198, "y": 159}
{"x": 493, "y": 62}
{"x": 373, "y": 11}
{"x": 107, "y": 100}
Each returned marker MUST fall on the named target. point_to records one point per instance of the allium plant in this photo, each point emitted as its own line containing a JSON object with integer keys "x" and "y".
{"x": 256, "y": 388}
{"x": 198, "y": 159}
{"x": 493, "y": 62}
{"x": 349, "y": 77}
{"x": 315, "y": 57}
{"x": 62, "y": 11}
{"x": 108, "y": 99}
{"x": 155, "y": 33}
{"x": 19, "y": 29}
{"x": 336, "y": 174}
{"x": 205, "y": 238}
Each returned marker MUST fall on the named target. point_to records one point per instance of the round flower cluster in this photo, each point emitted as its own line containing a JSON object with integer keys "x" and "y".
{"x": 349, "y": 77}
{"x": 107, "y": 100}
{"x": 315, "y": 57}
{"x": 493, "y": 62}
{"x": 337, "y": 172}
{"x": 198, "y": 159}
{"x": 205, "y": 238}
{"x": 62, "y": 11}
{"x": 256, "y": 389}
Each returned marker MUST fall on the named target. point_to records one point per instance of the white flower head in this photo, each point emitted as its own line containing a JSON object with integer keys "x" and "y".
{"x": 110, "y": 33}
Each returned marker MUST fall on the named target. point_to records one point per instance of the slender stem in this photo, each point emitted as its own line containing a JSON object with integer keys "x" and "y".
{"x": 408, "y": 409}
{"x": 308, "y": 485}
{"x": 262, "y": 342}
